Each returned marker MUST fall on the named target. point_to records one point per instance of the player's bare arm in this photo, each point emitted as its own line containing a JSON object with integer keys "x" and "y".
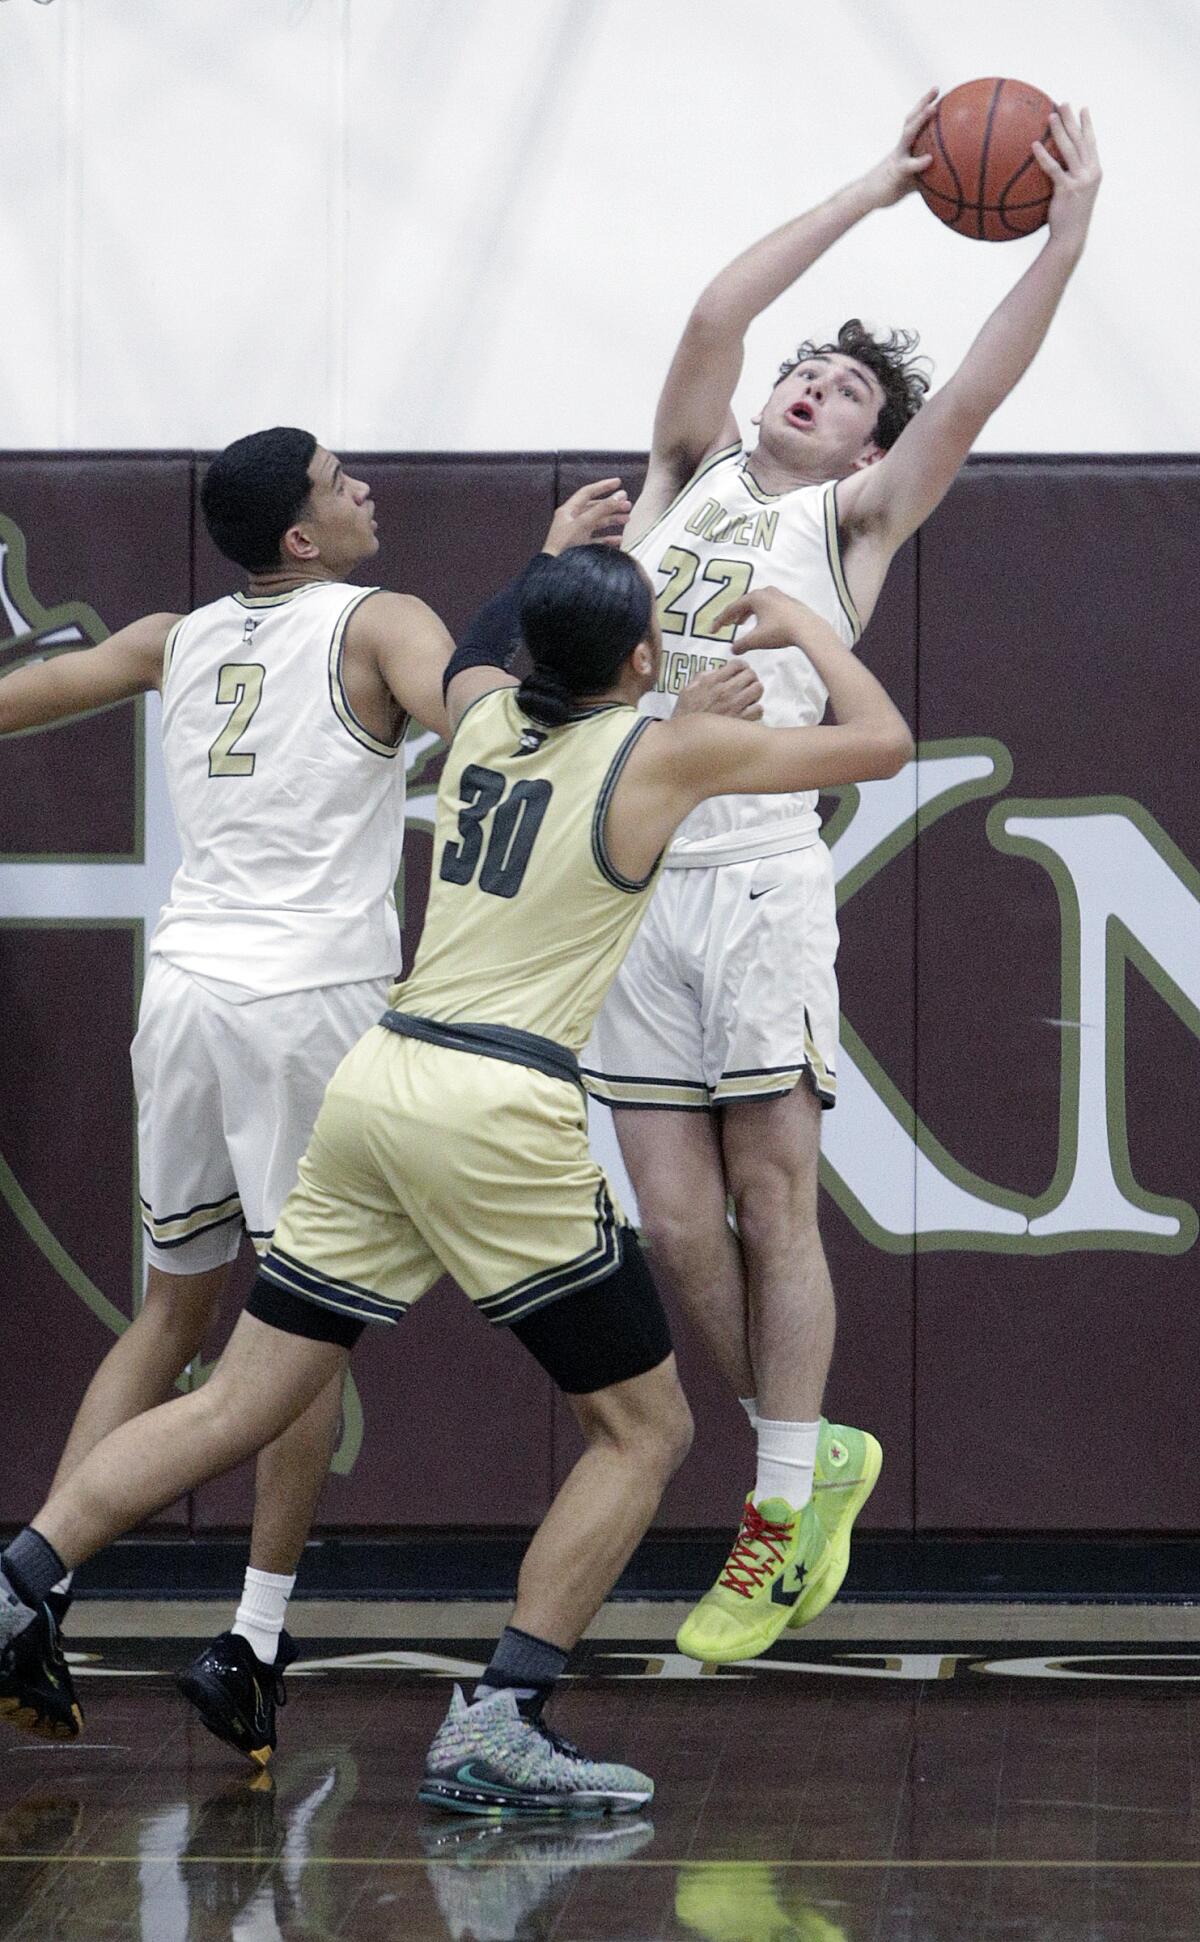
{"x": 593, "y": 515}
{"x": 694, "y": 417}
{"x": 679, "y": 763}
{"x": 128, "y": 663}
{"x": 395, "y": 654}
{"x": 880, "y": 506}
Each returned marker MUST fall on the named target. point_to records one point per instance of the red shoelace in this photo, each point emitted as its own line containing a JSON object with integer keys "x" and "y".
{"x": 745, "y": 1572}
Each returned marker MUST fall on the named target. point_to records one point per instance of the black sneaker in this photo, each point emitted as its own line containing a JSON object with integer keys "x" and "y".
{"x": 60, "y": 1603}
{"x": 36, "y": 1693}
{"x": 236, "y": 1695}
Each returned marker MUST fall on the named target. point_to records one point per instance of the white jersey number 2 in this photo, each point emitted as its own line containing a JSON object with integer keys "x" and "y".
{"x": 240, "y": 686}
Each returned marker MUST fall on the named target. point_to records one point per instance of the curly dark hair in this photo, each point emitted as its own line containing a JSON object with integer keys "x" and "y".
{"x": 890, "y": 359}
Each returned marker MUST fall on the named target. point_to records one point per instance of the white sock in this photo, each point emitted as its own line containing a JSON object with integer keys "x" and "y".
{"x": 64, "y": 1584}
{"x": 787, "y": 1457}
{"x": 750, "y": 1405}
{"x": 262, "y": 1611}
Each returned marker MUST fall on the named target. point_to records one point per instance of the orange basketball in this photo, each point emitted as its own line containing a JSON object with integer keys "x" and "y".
{"x": 984, "y": 181}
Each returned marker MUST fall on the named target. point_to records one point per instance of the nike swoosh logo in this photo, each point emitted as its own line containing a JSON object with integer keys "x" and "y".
{"x": 467, "y": 1777}
{"x": 755, "y": 894}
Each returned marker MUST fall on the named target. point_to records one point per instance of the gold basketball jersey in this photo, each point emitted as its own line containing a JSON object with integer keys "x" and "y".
{"x": 528, "y": 918}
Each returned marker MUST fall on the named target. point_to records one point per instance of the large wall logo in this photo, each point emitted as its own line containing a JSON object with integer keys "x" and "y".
{"x": 1126, "y": 895}
{"x": 34, "y": 630}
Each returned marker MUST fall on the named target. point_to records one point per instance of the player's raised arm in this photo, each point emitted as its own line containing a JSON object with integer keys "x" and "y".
{"x": 869, "y": 738}
{"x": 681, "y": 762}
{"x": 128, "y": 663}
{"x": 882, "y": 505}
{"x": 693, "y": 416}
{"x": 593, "y": 515}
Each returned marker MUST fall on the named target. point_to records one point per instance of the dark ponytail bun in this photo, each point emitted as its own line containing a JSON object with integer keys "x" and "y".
{"x": 582, "y": 615}
{"x": 545, "y": 698}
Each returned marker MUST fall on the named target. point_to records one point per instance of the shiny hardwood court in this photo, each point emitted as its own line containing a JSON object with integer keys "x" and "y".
{"x": 897, "y": 1776}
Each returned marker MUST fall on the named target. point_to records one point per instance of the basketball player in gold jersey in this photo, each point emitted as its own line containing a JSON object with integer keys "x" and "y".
{"x": 454, "y": 1137}
{"x": 728, "y": 997}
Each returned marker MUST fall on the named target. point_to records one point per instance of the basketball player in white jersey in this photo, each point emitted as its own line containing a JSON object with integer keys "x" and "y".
{"x": 728, "y": 999}
{"x": 284, "y": 711}
{"x": 453, "y": 1137}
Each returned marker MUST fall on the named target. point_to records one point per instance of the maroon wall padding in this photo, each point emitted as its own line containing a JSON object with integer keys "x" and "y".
{"x": 1057, "y": 613}
{"x": 871, "y": 1379}
{"x": 1047, "y": 605}
{"x": 112, "y": 532}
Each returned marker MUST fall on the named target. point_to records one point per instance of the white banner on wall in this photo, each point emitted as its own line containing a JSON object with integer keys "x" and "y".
{"x": 461, "y": 225}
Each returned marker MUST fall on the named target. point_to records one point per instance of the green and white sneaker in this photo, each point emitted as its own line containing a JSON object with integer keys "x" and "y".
{"x": 488, "y": 1759}
{"x": 787, "y": 1565}
{"x": 848, "y": 1465}
{"x": 764, "y": 1577}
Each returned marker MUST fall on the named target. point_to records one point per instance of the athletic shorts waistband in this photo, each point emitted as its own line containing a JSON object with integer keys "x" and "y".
{"x": 491, "y": 1042}
{"x": 751, "y": 847}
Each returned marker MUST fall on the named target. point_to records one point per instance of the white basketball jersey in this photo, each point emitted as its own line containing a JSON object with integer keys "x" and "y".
{"x": 721, "y": 537}
{"x": 290, "y": 813}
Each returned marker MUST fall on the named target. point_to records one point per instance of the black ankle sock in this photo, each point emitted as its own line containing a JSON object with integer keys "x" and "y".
{"x": 32, "y": 1567}
{"x": 528, "y": 1667}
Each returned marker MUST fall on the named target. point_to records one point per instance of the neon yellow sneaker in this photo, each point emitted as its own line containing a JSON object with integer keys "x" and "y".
{"x": 756, "y": 1593}
{"x": 848, "y": 1465}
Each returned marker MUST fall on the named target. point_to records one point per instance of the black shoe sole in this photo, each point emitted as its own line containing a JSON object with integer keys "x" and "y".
{"x": 212, "y": 1703}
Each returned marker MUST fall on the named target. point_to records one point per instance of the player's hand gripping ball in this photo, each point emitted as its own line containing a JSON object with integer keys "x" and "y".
{"x": 984, "y": 179}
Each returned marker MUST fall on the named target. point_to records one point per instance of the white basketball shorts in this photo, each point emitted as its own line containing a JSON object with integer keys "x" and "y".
{"x": 227, "y": 1094}
{"x": 728, "y": 992}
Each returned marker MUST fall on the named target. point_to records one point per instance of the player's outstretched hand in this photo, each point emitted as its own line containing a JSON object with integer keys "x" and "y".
{"x": 732, "y": 688}
{"x": 900, "y": 170}
{"x": 596, "y": 514}
{"x": 1076, "y": 179}
{"x": 779, "y": 621}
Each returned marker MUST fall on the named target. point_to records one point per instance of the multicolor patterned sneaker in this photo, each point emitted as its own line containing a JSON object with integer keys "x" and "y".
{"x": 848, "y": 1466}
{"x": 488, "y": 1759}
{"x": 764, "y": 1577}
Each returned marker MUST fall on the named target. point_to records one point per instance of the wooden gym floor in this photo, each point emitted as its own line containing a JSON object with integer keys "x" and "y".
{"x": 893, "y": 1774}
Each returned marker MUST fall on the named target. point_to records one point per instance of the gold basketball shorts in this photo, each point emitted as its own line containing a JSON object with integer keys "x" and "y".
{"x": 430, "y": 1156}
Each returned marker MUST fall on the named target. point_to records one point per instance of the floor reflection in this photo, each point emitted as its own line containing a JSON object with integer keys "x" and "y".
{"x": 734, "y": 1901}
{"x": 494, "y": 1881}
{"x": 234, "y": 1866}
